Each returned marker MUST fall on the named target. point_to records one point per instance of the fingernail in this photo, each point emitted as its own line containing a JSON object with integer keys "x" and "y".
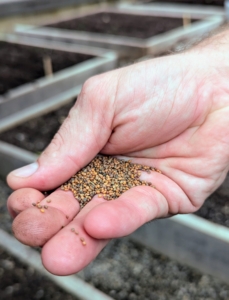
{"x": 26, "y": 171}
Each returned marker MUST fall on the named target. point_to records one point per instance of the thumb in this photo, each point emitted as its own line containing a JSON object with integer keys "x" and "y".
{"x": 82, "y": 135}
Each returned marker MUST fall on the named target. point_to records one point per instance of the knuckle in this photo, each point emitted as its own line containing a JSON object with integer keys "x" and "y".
{"x": 59, "y": 139}
{"x": 89, "y": 85}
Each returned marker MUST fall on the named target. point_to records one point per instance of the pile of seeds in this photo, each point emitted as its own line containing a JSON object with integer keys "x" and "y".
{"x": 107, "y": 177}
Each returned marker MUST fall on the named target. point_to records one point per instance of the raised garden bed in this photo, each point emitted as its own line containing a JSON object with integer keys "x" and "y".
{"x": 27, "y": 93}
{"x": 21, "y": 64}
{"x": 118, "y": 24}
{"x": 126, "y": 29}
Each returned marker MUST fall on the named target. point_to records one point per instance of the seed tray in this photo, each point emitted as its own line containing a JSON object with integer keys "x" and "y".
{"x": 14, "y": 7}
{"x": 50, "y": 92}
{"x": 188, "y": 239}
{"x": 126, "y": 45}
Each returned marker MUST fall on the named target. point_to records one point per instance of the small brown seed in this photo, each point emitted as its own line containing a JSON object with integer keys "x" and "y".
{"x": 34, "y": 204}
{"x": 42, "y": 210}
{"x": 83, "y": 241}
{"x": 48, "y": 200}
{"x": 46, "y": 206}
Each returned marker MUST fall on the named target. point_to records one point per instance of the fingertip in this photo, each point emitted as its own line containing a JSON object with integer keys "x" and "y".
{"x": 32, "y": 226}
{"x": 122, "y": 216}
{"x": 67, "y": 252}
{"x": 58, "y": 260}
{"x": 19, "y": 175}
{"x": 113, "y": 220}
{"x": 100, "y": 222}
{"x": 22, "y": 199}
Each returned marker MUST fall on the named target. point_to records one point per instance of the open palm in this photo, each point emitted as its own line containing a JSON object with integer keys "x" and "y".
{"x": 170, "y": 113}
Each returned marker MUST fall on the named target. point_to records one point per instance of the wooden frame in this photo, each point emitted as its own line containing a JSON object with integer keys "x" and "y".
{"x": 48, "y": 93}
{"x": 129, "y": 46}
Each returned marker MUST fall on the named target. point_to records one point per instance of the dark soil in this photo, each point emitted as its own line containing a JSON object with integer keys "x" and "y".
{"x": 36, "y": 134}
{"x": 216, "y": 207}
{"x": 121, "y": 24}
{"x": 202, "y": 2}
{"x": 128, "y": 271}
{"x": 5, "y": 219}
{"x": 21, "y": 282}
{"x": 23, "y": 64}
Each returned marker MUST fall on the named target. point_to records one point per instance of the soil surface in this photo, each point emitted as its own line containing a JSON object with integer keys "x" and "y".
{"x": 121, "y": 24}
{"x": 36, "y": 134}
{"x": 202, "y": 2}
{"x": 23, "y": 64}
{"x": 216, "y": 207}
{"x": 5, "y": 219}
{"x": 21, "y": 282}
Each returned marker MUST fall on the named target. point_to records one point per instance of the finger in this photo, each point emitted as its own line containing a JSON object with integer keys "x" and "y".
{"x": 82, "y": 135}
{"x": 35, "y": 225}
{"x": 72, "y": 248}
{"x": 120, "y": 217}
{"x": 23, "y": 199}
{"x": 136, "y": 207}
{"x": 190, "y": 188}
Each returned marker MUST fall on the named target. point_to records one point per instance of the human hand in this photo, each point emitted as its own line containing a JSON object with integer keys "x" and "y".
{"x": 170, "y": 113}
